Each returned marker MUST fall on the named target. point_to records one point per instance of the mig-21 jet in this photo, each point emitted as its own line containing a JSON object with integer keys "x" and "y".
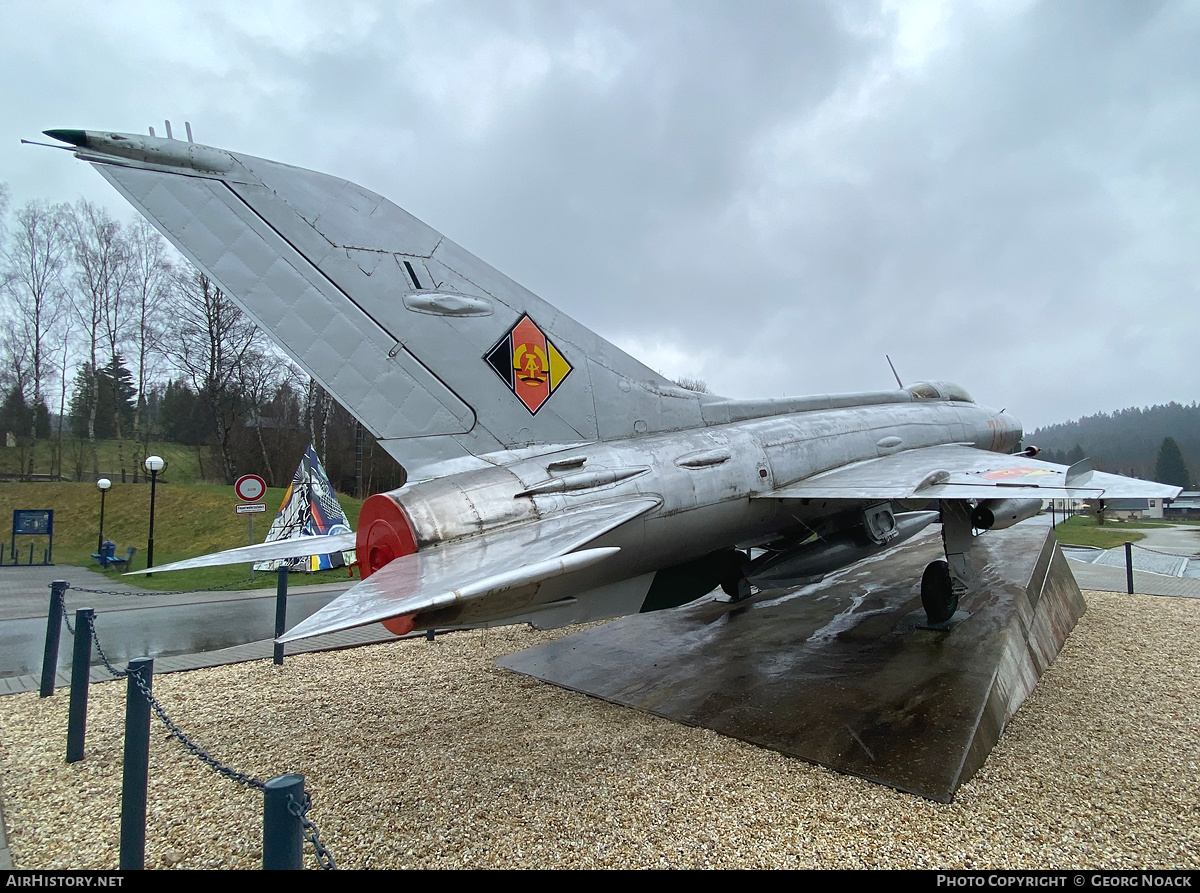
{"x": 553, "y": 478}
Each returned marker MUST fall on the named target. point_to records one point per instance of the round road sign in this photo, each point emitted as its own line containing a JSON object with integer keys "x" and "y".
{"x": 250, "y": 487}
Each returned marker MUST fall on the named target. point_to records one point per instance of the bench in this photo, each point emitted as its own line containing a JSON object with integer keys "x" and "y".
{"x": 107, "y": 555}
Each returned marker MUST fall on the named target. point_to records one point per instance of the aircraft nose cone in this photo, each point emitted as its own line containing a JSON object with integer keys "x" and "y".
{"x": 1014, "y": 432}
{"x": 74, "y": 137}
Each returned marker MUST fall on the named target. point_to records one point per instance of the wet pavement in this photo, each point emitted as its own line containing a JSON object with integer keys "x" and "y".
{"x": 1144, "y": 560}
{"x": 1166, "y": 562}
{"x": 152, "y": 630}
{"x": 179, "y": 630}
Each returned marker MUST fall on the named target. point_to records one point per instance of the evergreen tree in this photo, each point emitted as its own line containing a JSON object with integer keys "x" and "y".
{"x": 81, "y": 401}
{"x": 1170, "y": 468}
{"x": 115, "y": 400}
{"x": 43, "y": 420}
{"x": 183, "y": 418}
{"x": 14, "y": 414}
{"x": 17, "y": 417}
{"x": 118, "y": 395}
{"x": 1128, "y": 438}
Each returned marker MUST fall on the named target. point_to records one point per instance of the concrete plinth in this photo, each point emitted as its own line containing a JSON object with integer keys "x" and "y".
{"x": 841, "y": 673}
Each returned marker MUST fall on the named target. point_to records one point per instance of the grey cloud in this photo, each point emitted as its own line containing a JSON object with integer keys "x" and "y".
{"x": 763, "y": 189}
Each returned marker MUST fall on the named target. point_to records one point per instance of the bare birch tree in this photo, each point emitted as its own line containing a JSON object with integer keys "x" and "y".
{"x": 150, "y": 279}
{"x": 212, "y": 342}
{"x": 101, "y": 274}
{"x": 269, "y": 385}
{"x": 34, "y": 260}
{"x": 56, "y": 462}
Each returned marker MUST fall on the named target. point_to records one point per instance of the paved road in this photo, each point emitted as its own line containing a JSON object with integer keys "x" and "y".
{"x": 153, "y": 630}
{"x": 1112, "y": 579}
{"x": 1181, "y": 540}
{"x": 138, "y": 623}
{"x": 25, "y": 592}
{"x": 1159, "y": 566}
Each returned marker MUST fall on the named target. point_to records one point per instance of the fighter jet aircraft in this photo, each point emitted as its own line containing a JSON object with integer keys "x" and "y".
{"x": 552, "y": 478}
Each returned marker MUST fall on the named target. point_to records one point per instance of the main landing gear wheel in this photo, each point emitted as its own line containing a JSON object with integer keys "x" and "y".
{"x": 937, "y": 592}
{"x": 734, "y": 583}
{"x": 737, "y": 590}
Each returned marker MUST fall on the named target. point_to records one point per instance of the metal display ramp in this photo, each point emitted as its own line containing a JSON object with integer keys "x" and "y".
{"x": 844, "y": 673}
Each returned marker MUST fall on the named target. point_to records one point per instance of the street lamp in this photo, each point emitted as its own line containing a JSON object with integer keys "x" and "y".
{"x": 102, "y": 485}
{"x": 154, "y": 464}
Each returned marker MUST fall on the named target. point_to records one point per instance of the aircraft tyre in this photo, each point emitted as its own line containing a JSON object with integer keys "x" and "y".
{"x": 937, "y": 593}
{"x": 734, "y": 584}
{"x": 737, "y": 590}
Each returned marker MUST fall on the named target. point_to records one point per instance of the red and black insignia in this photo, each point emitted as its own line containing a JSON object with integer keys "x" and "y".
{"x": 529, "y": 363}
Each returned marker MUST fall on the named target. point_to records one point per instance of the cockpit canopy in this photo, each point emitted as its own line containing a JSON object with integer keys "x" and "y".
{"x": 939, "y": 390}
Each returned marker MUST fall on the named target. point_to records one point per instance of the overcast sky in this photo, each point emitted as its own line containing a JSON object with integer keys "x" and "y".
{"x": 768, "y": 196}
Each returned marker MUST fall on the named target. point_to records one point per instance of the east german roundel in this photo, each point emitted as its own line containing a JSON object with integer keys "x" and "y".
{"x": 529, "y": 363}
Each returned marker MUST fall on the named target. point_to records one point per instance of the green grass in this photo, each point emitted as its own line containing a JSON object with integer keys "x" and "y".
{"x": 183, "y": 462}
{"x": 189, "y": 520}
{"x": 1151, "y": 524}
{"x": 1081, "y": 530}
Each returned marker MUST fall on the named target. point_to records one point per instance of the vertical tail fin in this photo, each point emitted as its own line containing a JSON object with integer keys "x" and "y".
{"x": 441, "y": 357}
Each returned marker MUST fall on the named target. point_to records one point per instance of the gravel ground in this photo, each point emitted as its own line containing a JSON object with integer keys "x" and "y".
{"x": 424, "y": 756}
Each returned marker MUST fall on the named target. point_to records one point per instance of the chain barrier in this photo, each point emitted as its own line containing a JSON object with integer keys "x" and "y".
{"x": 62, "y": 603}
{"x": 309, "y": 830}
{"x": 119, "y": 674}
{"x": 62, "y": 606}
{"x": 195, "y": 749}
{"x": 1159, "y": 552}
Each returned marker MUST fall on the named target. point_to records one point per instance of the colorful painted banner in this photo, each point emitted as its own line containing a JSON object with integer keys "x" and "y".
{"x": 310, "y": 508}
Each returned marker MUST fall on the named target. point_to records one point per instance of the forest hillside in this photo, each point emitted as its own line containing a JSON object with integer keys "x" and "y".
{"x": 1125, "y": 442}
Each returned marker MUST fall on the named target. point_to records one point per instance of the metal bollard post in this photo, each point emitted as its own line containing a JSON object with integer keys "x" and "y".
{"x": 53, "y": 631}
{"x": 81, "y": 665}
{"x": 282, "y": 838}
{"x": 1129, "y": 568}
{"x": 137, "y": 766}
{"x": 280, "y": 610}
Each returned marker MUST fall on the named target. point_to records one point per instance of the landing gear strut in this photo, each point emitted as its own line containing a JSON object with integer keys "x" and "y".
{"x": 945, "y": 581}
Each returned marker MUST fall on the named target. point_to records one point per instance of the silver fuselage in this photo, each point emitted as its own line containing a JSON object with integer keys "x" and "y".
{"x": 712, "y": 484}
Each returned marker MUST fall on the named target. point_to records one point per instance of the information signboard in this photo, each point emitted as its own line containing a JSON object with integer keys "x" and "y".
{"x": 33, "y": 522}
